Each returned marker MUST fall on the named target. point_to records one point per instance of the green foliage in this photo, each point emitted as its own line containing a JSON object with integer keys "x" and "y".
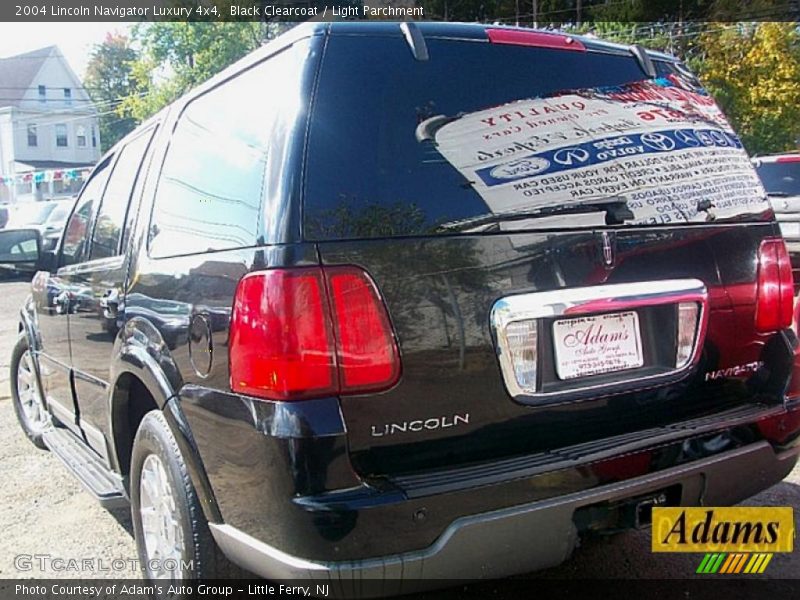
{"x": 623, "y": 32}
{"x": 176, "y": 56}
{"x": 754, "y": 73}
{"x": 109, "y": 78}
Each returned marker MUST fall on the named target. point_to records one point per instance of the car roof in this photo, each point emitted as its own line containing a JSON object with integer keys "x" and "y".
{"x": 449, "y": 30}
{"x": 476, "y": 31}
{"x": 463, "y": 31}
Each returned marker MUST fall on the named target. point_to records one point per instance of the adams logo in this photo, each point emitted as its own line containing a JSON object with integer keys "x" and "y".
{"x": 734, "y": 540}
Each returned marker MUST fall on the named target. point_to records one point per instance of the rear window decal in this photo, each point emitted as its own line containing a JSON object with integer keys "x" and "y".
{"x": 655, "y": 144}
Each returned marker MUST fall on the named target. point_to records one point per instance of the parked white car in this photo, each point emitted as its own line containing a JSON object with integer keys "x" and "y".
{"x": 780, "y": 175}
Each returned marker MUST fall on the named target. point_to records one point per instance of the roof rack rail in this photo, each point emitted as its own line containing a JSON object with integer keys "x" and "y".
{"x": 415, "y": 40}
{"x": 643, "y": 58}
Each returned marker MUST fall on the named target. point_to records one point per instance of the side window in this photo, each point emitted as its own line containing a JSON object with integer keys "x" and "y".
{"x": 111, "y": 219}
{"x": 211, "y": 187}
{"x": 75, "y": 247}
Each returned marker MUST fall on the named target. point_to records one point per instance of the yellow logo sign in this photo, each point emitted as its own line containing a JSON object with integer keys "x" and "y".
{"x": 741, "y": 529}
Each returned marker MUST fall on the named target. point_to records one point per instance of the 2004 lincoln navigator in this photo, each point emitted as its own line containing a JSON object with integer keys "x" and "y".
{"x": 407, "y": 301}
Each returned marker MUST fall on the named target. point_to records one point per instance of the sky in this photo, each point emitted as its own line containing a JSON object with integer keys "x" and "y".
{"x": 74, "y": 39}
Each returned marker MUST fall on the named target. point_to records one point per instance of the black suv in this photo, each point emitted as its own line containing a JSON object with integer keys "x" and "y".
{"x": 410, "y": 301}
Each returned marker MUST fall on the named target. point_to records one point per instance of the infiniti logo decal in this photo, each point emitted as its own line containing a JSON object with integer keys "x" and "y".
{"x": 432, "y": 424}
{"x": 525, "y": 167}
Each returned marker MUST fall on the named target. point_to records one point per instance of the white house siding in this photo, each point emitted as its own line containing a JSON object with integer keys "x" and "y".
{"x": 77, "y": 115}
{"x": 55, "y": 75}
{"x": 46, "y": 148}
{"x": 6, "y": 151}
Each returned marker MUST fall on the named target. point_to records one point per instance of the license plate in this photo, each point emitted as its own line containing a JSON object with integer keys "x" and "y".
{"x": 597, "y": 344}
{"x": 790, "y": 230}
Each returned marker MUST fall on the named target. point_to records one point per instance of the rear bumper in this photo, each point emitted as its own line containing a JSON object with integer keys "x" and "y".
{"x": 513, "y": 540}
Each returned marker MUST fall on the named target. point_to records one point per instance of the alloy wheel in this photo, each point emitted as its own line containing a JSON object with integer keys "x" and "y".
{"x": 161, "y": 527}
{"x": 28, "y": 393}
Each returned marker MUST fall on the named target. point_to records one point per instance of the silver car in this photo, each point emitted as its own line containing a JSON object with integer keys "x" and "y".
{"x": 780, "y": 174}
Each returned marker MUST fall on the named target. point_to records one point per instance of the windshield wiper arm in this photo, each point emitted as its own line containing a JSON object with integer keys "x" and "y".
{"x": 616, "y": 213}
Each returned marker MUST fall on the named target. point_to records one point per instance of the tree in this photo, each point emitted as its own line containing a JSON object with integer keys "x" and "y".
{"x": 625, "y": 32}
{"x": 176, "y": 56}
{"x": 753, "y": 70}
{"x": 109, "y": 79}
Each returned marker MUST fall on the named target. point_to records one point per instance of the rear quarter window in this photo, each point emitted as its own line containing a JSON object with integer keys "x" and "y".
{"x": 211, "y": 190}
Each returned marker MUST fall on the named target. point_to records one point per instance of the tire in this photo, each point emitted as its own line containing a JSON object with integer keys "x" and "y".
{"x": 155, "y": 457}
{"x": 26, "y": 395}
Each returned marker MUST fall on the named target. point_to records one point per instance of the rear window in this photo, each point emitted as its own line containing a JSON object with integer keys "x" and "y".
{"x": 780, "y": 178}
{"x": 399, "y": 146}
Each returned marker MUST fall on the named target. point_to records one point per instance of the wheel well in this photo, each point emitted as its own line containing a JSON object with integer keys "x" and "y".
{"x": 130, "y": 403}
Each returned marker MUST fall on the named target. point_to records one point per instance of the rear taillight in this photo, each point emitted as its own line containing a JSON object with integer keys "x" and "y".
{"x": 310, "y": 332}
{"x": 365, "y": 348}
{"x": 774, "y": 301}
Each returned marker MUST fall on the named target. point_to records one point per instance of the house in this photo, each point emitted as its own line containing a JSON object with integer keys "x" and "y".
{"x": 49, "y": 134}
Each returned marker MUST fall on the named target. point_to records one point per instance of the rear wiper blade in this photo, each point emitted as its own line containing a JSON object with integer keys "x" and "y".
{"x": 616, "y": 213}
{"x": 778, "y": 194}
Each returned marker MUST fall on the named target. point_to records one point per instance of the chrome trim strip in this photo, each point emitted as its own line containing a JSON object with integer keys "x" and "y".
{"x": 571, "y": 302}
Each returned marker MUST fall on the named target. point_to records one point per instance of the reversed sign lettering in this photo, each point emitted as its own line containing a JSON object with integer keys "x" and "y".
{"x": 653, "y": 143}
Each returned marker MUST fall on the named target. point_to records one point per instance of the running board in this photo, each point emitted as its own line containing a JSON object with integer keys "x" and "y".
{"x": 105, "y": 485}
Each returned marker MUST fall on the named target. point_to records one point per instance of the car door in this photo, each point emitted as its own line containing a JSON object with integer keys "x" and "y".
{"x": 101, "y": 280}
{"x": 55, "y": 297}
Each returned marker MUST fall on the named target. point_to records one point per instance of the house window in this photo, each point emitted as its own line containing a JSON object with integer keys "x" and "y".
{"x": 94, "y": 138}
{"x": 68, "y": 96}
{"x": 42, "y": 94}
{"x": 33, "y": 139}
{"x": 61, "y": 135}
{"x": 80, "y": 135}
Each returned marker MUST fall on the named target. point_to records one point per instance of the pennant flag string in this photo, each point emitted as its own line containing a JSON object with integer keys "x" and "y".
{"x": 46, "y": 176}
